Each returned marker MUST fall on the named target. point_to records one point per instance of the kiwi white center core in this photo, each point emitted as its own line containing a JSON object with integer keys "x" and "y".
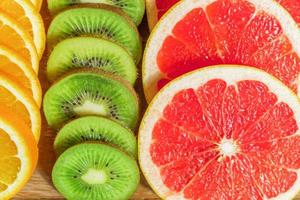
{"x": 94, "y": 177}
{"x": 228, "y": 147}
{"x": 90, "y": 108}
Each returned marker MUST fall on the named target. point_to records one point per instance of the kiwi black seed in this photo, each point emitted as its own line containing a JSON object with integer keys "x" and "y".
{"x": 95, "y": 172}
{"x": 135, "y": 9}
{"x": 91, "y": 92}
{"x": 90, "y": 52}
{"x": 98, "y": 129}
{"x": 96, "y": 22}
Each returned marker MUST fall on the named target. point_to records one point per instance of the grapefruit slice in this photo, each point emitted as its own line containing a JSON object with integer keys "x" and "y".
{"x": 157, "y": 8}
{"x": 222, "y": 132}
{"x": 195, "y": 34}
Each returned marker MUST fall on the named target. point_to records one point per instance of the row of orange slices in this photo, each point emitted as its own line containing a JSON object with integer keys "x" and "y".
{"x": 22, "y": 43}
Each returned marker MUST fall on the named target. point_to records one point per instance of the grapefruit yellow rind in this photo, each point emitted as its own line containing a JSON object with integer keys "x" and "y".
{"x": 164, "y": 27}
{"x": 37, "y": 25}
{"x": 27, "y": 150}
{"x": 35, "y": 89}
{"x": 7, "y": 20}
{"x": 229, "y": 73}
{"x": 25, "y": 98}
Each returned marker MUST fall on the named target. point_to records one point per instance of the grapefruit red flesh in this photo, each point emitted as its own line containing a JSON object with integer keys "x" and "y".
{"x": 157, "y": 8}
{"x": 195, "y": 34}
{"x": 224, "y": 132}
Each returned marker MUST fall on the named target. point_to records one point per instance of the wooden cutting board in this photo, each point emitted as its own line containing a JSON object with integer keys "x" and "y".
{"x": 40, "y": 186}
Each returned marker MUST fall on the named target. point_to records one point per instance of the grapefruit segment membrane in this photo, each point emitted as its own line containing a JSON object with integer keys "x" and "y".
{"x": 201, "y": 33}
{"x": 222, "y": 132}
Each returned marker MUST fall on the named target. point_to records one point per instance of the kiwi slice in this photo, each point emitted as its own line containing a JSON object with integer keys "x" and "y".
{"x": 100, "y": 22}
{"x": 135, "y": 9}
{"x": 95, "y": 172}
{"x": 91, "y": 92}
{"x": 93, "y": 128}
{"x": 90, "y": 52}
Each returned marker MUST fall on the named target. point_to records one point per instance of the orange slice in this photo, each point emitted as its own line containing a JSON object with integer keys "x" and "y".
{"x": 15, "y": 37}
{"x": 37, "y": 4}
{"x": 19, "y": 154}
{"x": 20, "y": 70}
{"x": 19, "y": 101}
{"x": 25, "y": 13}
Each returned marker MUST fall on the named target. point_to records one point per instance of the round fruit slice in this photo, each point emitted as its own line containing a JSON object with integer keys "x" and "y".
{"x": 103, "y": 21}
{"x": 157, "y": 8}
{"x": 95, "y": 129}
{"x": 133, "y": 8}
{"x": 20, "y": 102}
{"x": 21, "y": 72}
{"x": 30, "y": 20}
{"x": 95, "y": 171}
{"x": 91, "y": 92}
{"x": 223, "y": 132}
{"x": 207, "y": 32}
{"x": 16, "y": 38}
{"x": 89, "y": 52}
{"x": 37, "y": 4}
{"x": 19, "y": 154}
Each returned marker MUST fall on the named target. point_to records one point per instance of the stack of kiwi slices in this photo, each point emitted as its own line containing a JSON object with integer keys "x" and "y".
{"x": 94, "y": 47}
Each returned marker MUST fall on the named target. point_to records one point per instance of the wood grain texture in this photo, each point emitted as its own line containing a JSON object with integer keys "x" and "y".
{"x": 40, "y": 186}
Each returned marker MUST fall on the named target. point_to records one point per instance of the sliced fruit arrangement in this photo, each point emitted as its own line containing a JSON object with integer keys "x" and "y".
{"x": 222, "y": 132}
{"x": 103, "y": 21}
{"x": 22, "y": 42}
{"x": 202, "y": 33}
{"x": 157, "y": 8}
{"x": 133, "y": 8}
{"x": 93, "y": 52}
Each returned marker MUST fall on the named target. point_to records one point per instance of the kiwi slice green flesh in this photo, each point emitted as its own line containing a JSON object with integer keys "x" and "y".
{"x": 97, "y": 22}
{"x": 91, "y": 92}
{"x": 135, "y": 9}
{"x": 90, "y": 52}
{"x": 93, "y": 128}
{"x": 95, "y": 171}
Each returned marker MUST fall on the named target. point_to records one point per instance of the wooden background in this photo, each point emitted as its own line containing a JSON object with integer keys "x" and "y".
{"x": 40, "y": 186}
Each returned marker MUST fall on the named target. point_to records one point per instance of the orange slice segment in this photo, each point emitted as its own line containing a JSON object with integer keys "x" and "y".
{"x": 37, "y": 4}
{"x": 28, "y": 17}
{"x": 15, "y": 37}
{"x": 19, "y": 101}
{"x": 20, "y": 70}
{"x": 19, "y": 154}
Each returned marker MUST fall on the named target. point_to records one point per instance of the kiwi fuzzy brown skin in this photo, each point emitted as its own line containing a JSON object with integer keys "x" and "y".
{"x": 118, "y": 179}
{"x": 104, "y": 7}
{"x": 95, "y": 129}
{"x": 92, "y": 71}
{"x": 102, "y": 54}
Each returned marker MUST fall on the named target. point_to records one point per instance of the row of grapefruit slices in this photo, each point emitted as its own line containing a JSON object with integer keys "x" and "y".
{"x": 22, "y": 42}
{"x": 223, "y": 131}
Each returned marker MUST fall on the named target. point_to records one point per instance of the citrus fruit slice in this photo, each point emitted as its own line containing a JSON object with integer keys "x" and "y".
{"x": 20, "y": 70}
{"x": 18, "y": 101}
{"x": 195, "y": 34}
{"x": 223, "y": 132}
{"x": 19, "y": 154}
{"x": 157, "y": 8}
{"x": 30, "y": 20}
{"x": 16, "y": 38}
{"x": 37, "y": 4}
